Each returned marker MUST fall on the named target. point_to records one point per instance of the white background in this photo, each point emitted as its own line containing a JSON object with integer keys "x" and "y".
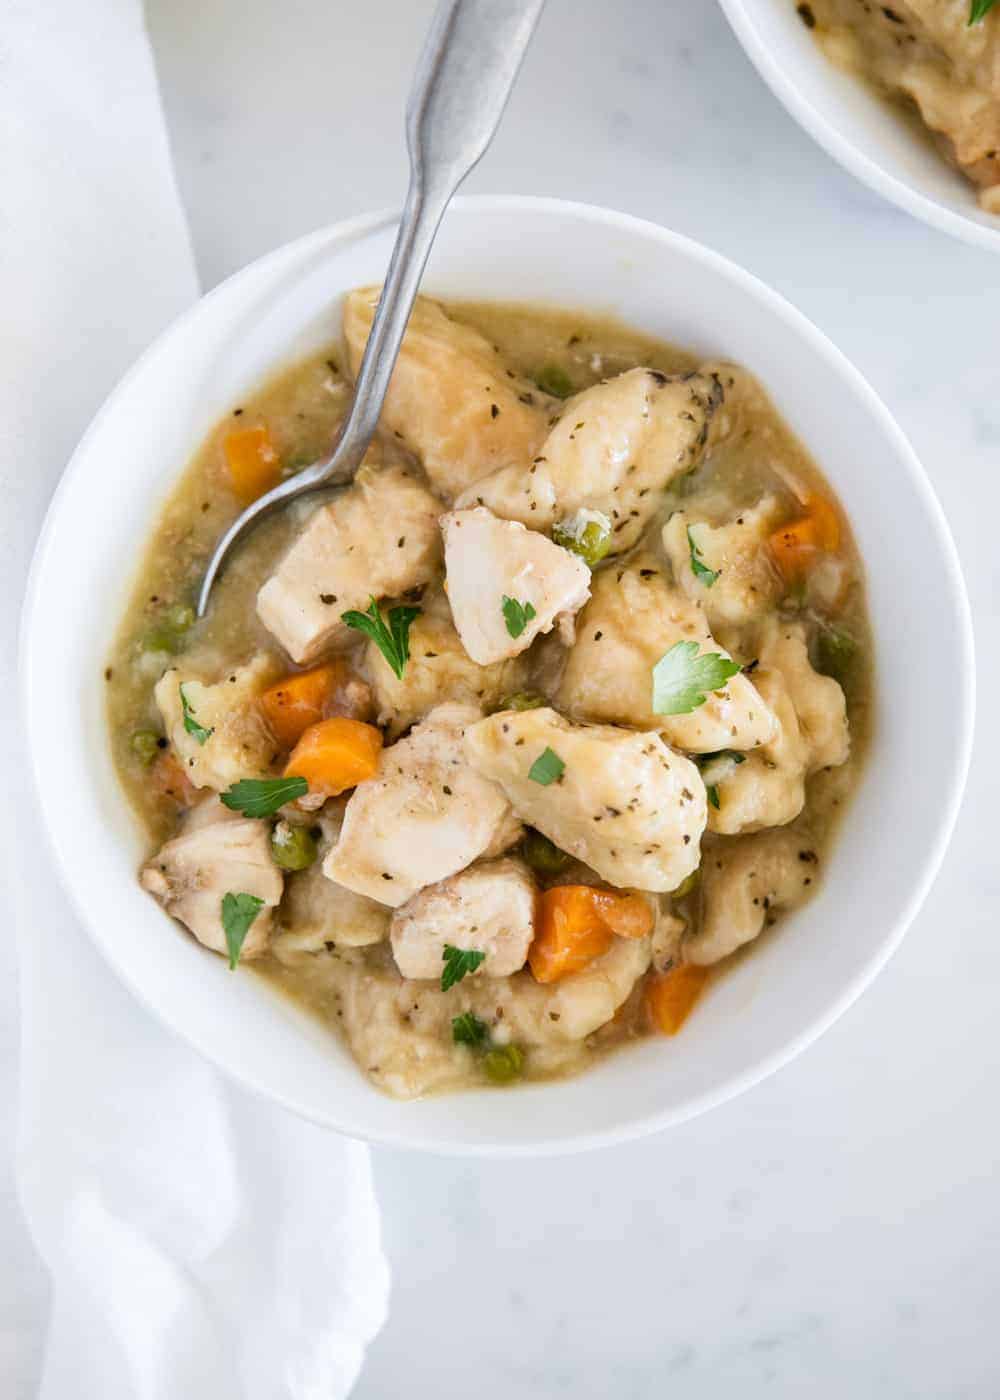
{"x": 836, "y": 1229}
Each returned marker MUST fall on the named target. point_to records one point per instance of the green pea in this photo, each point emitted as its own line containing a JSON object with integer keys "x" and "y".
{"x": 591, "y": 543}
{"x": 835, "y": 653}
{"x": 145, "y": 745}
{"x": 293, "y": 847}
{"x": 687, "y": 886}
{"x": 542, "y": 855}
{"x": 503, "y": 1064}
{"x": 167, "y": 632}
{"x": 553, "y": 379}
{"x": 523, "y": 700}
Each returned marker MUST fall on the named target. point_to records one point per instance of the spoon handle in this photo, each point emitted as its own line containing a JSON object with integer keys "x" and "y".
{"x": 463, "y": 79}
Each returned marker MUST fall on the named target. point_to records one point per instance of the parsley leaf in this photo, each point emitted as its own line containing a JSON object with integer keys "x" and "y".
{"x": 260, "y": 797}
{"x": 712, "y": 793}
{"x": 196, "y": 730}
{"x": 516, "y": 615}
{"x": 979, "y": 9}
{"x": 392, "y": 641}
{"x": 467, "y": 1029}
{"x": 701, "y": 571}
{"x": 683, "y": 680}
{"x": 457, "y": 962}
{"x": 238, "y": 913}
{"x": 547, "y": 767}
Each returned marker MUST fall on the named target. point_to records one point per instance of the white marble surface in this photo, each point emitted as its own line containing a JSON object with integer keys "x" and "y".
{"x": 835, "y": 1231}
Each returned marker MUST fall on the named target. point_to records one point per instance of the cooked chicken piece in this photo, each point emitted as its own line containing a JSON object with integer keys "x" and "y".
{"x": 633, "y": 619}
{"x": 819, "y": 701}
{"x": 747, "y": 582}
{"x": 624, "y": 803}
{"x": 743, "y": 883}
{"x": 378, "y": 539}
{"x": 489, "y": 908}
{"x": 401, "y": 1032}
{"x": 439, "y": 670}
{"x": 451, "y": 398}
{"x": 316, "y": 913}
{"x": 217, "y": 853}
{"x": 425, "y": 815}
{"x": 506, "y": 584}
{"x": 613, "y": 449}
{"x": 239, "y": 743}
{"x": 768, "y": 788}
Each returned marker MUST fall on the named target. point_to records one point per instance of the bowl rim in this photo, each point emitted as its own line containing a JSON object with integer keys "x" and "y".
{"x": 359, "y": 227}
{"x": 826, "y": 134}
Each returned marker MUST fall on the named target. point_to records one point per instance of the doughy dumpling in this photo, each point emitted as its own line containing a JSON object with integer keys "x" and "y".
{"x": 624, "y": 804}
{"x": 239, "y": 743}
{"x": 633, "y": 618}
{"x": 747, "y": 582}
{"x": 451, "y": 398}
{"x": 743, "y": 882}
{"x": 613, "y": 450}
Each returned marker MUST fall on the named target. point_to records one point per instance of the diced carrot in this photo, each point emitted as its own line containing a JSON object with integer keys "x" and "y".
{"x": 335, "y": 754}
{"x": 577, "y": 923}
{"x": 253, "y": 462}
{"x": 797, "y": 546}
{"x": 300, "y": 700}
{"x": 628, "y": 915}
{"x": 671, "y": 995}
{"x": 570, "y": 932}
{"x": 168, "y": 779}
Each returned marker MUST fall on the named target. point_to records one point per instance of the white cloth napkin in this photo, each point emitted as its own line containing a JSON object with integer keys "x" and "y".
{"x": 198, "y": 1242}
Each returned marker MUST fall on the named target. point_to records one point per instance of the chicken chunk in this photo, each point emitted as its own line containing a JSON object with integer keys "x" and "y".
{"x": 217, "y": 853}
{"x": 239, "y": 742}
{"x": 747, "y": 582}
{"x": 379, "y": 538}
{"x": 316, "y": 913}
{"x": 819, "y": 701}
{"x": 613, "y": 449}
{"x": 623, "y": 803}
{"x": 425, "y": 815}
{"x": 401, "y": 1031}
{"x": 439, "y": 670}
{"x": 451, "y": 398}
{"x": 743, "y": 882}
{"x": 494, "y": 565}
{"x": 489, "y": 908}
{"x": 633, "y": 618}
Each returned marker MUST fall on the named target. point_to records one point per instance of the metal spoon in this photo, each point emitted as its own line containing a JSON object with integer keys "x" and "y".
{"x": 462, "y": 82}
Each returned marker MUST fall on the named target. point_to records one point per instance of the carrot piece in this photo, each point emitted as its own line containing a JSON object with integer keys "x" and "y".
{"x": 628, "y": 915}
{"x": 570, "y": 932}
{"x": 671, "y": 995}
{"x": 167, "y": 778}
{"x": 253, "y": 462}
{"x": 335, "y": 754}
{"x": 300, "y": 700}
{"x": 796, "y": 547}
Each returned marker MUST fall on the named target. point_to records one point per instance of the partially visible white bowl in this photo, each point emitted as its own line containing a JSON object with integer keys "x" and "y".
{"x": 894, "y": 836}
{"x": 855, "y": 125}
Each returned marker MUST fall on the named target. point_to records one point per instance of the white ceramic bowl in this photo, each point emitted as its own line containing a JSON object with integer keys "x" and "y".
{"x": 774, "y": 1003}
{"x": 855, "y": 125}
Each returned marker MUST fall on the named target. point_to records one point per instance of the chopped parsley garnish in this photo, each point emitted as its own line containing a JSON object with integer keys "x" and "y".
{"x": 261, "y": 797}
{"x": 393, "y": 641}
{"x": 712, "y": 793}
{"x": 238, "y": 913}
{"x": 467, "y": 1029}
{"x": 516, "y": 615}
{"x": 715, "y": 768}
{"x": 457, "y": 962}
{"x": 547, "y": 767}
{"x": 701, "y": 571}
{"x": 683, "y": 679}
{"x": 979, "y": 9}
{"x": 196, "y": 730}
